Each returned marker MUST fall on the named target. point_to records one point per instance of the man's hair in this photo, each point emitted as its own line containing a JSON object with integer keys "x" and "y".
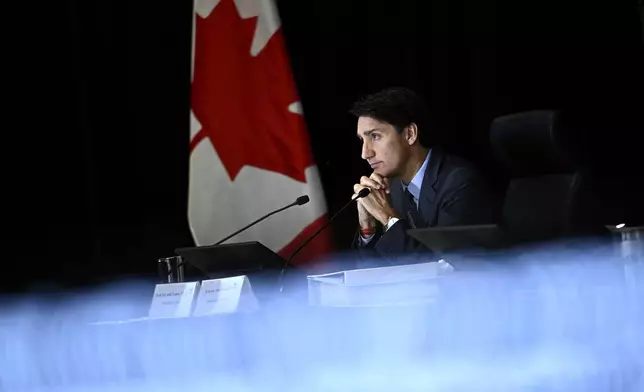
{"x": 399, "y": 107}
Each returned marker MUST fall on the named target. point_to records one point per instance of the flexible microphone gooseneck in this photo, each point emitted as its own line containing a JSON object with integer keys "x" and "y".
{"x": 364, "y": 192}
{"x": 298, "y": 202}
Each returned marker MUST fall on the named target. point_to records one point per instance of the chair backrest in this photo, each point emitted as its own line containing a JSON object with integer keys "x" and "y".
{"x": 549, "y": 195}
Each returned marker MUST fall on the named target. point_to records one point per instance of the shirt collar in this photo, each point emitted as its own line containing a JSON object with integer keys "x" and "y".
{"x": 417, "y": 182}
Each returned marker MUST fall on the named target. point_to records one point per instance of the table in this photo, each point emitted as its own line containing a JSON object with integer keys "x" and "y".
{"x": 504, "y": 331}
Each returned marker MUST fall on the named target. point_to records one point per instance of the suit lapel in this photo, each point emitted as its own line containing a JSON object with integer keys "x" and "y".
{"x": 397, "y": 196}
{"x": 426, "y": 205}
{"x": 402, "y": 205}
{"x": 427, "y": 200}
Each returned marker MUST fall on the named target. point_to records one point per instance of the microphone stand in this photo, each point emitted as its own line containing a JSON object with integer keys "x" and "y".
{"x": 364, "y": 192}
{"x": 298, "y": 202}
{"x": 295, "y": 203}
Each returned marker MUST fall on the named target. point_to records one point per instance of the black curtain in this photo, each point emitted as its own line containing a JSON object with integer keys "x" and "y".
{"x": 107, "y": 193}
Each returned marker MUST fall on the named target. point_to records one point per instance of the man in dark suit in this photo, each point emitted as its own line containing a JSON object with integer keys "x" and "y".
{"x": 414, "y": 184}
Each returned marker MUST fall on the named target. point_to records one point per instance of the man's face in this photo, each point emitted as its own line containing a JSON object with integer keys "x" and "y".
{"x": 382, "y": 147}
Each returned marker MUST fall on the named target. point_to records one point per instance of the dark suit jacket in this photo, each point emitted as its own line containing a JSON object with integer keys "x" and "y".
{"x": 453, "y": 192}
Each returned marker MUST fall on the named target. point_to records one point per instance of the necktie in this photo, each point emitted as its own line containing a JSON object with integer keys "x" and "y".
{"x": 413, "y": 216}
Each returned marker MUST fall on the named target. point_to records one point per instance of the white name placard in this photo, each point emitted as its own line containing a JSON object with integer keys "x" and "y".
{"x": 225, "y": 295}
{"x": 382, "y": 286}
{"x": 173, "y": 300}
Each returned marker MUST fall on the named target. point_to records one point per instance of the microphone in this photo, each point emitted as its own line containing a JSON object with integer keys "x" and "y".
{"x": 300, "y": 201}
{"x": 364, "y": 192}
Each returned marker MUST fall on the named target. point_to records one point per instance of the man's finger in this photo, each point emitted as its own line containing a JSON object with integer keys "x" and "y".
{"x": 357, "y": 188}
{"x": 369, "y": 183}
{"x": 353, "y": 197}
{"x": 361, "y": 202}
{"x": 380, "y": 180}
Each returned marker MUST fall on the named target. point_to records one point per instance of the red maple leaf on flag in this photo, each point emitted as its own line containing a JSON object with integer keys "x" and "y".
{"x": 242, "y": 101}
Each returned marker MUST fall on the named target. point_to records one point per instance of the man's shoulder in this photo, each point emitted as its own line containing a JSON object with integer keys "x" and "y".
{"x": 456, "y": 164}
{"x": 460, "y": 179}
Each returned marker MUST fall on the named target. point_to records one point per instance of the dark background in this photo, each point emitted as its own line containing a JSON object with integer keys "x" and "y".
{"x": 102, "y": 191}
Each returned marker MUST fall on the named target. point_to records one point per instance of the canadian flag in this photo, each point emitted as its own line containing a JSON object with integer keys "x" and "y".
{"x": 249, "y": 149}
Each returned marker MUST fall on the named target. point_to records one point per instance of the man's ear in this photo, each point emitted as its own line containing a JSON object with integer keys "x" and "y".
{"x": 411, "y": 133}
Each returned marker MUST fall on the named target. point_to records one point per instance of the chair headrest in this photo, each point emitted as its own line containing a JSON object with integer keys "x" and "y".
{"x": 532, "y": 143}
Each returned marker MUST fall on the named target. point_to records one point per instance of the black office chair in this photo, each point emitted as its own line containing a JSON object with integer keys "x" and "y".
{"x": 551, "y": 194}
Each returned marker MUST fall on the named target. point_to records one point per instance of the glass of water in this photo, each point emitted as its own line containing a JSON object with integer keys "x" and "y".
{"x": 171, "y": 269}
